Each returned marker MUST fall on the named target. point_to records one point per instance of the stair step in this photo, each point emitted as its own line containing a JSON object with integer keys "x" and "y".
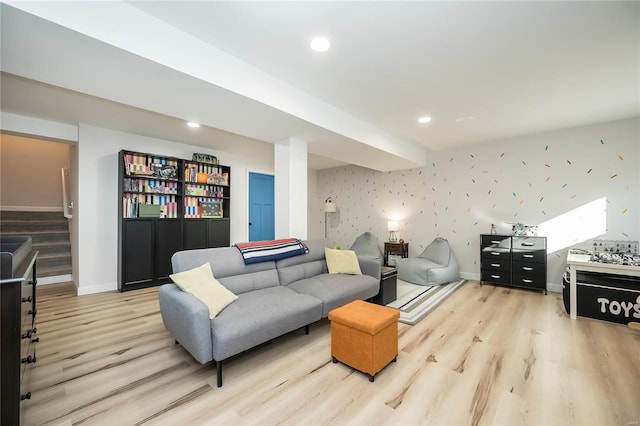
{"x": 49, "y": 233}
{"x": 52, "y": 272}
{"x": 11, "y": 215}
{"x": 43, "y": 236}
{"x": 49, "y": 257}
{"x": 25, "y": 226}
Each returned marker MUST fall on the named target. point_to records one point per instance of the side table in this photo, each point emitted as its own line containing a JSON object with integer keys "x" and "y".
{"x": 388, "y": 286}
{"x": 401, "y": 249}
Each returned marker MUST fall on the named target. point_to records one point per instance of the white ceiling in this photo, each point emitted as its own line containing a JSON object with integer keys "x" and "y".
{"x": 245, "y": 67}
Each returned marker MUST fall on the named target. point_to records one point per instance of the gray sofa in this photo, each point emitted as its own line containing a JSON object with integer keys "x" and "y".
{"x": 274, "y": 298}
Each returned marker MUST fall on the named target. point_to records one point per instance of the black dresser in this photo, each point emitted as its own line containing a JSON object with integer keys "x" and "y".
{"x": 18, "y": 336}
{"x": 518, "y": 261}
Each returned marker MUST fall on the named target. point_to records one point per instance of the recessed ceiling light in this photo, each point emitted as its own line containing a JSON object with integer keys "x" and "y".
{"x": 193, "y": 124}
{"x": 320, "y": 44}
{"x": 423, "y": 120}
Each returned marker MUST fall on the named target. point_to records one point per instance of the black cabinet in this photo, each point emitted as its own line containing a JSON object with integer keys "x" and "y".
{"x": 519, "y": 261}
{"x": 388, "y": 286}
{"x": 495, "y": 255}
{"x": 204, "y": 233}
{"x": 147, "y": 247}
{"x": 168, "y": 241}
{"x": 167, "y": 204}
{"x": 18, "y": 338}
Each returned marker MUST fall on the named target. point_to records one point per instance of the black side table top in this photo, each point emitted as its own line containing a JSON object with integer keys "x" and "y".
{"x": 388, "y": 271}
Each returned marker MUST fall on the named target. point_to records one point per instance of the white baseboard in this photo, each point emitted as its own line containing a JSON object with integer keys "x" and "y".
{"x": 55, "y": 279}
{"x": 552, "y": 287}
{"x": 469, "y": 276}
{"x": 101, "y": 288}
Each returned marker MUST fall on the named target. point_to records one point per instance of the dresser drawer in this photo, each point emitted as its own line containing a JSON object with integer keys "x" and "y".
{"x": 496, "y": 264}
{"x": 528, "y": 268}
{"x": 529, "y": 243}
{"x": 531, "y": 281}
{"x": 497, "y": 241}
{"x": 492, "y": 253}
{"x": 529, "y": 256}
{"x": 501, "y": 277}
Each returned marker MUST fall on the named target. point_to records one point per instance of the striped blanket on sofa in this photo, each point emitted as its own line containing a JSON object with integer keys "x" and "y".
{"x": 262, "y": 251}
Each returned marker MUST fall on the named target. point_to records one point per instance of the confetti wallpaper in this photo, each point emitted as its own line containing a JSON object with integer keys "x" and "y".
{"x": 460, "y": 193}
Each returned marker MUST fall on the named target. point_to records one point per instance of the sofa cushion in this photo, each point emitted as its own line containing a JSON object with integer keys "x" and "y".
{"x": 228, "y": 267}
{"x": 342, "y": 262}
{"x": 336, "y": 290}
{"x": 304, "y": 266}
{"x": 259, "y": 316}
{"x": 201, "y": 283}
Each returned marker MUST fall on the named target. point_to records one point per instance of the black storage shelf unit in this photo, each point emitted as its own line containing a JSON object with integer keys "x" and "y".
{"x": 518, "y": 261}
{"x": 167, "y": 204}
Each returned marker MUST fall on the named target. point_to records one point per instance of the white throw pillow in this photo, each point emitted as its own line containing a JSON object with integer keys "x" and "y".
{"x": 342, "y": 261}
{"x": 201, "y": 283}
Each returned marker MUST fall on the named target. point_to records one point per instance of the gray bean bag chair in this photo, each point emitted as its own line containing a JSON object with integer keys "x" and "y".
{"x": 366, "y": 247}
{"x": 436, "y": 265}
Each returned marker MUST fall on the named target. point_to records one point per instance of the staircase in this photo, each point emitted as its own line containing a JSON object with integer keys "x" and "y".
{"x": 49, "y": 232}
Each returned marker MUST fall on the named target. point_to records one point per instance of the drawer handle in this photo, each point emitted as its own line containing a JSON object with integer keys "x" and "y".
{"x": 25, "y": 396}
{"x": 527, "y": 281}
{"x": 495, "y": 265}
{"x": 496, "y": 276}
{"x": 28, "y": 360}
{"x": 495, "y": 253}
{"x": 495, "y": 242}
{"x": 528, "y": 244}
{"x": 26, "y": 299}
{"x": 29, "y": 333}
{"x": 528, "y": 256}
{"x": 527, "y": 268}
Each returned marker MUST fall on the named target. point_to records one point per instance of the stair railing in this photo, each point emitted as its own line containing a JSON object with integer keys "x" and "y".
{"x": 66, "y": 202}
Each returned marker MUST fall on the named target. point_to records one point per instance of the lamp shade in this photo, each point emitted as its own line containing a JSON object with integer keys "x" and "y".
{"x": 392, "y": 225}
{"x": 329, "y": 206}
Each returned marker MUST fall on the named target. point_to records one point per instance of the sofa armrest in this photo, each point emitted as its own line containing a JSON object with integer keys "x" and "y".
{"x": 187, "y": 319}
{"x": 370, "y": 267}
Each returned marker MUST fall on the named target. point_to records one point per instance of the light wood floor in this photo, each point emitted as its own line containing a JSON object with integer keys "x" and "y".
{"x": 488, "y": 355}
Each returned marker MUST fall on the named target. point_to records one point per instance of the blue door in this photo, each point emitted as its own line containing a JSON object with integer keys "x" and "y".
{"x": 261, "y": 209}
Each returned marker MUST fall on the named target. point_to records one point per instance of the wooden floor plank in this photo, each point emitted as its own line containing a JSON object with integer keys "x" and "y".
{"x": 487, "y": 355}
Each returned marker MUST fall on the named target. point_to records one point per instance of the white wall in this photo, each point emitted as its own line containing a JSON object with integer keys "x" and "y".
{"x": 528, "y": 179}
{"x": 315, "y": 215}
{"x": 97, "y": 210}
{"x": 30, "y": 177}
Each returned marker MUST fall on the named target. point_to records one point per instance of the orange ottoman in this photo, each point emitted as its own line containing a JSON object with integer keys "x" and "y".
{"x": 364, "y": 336}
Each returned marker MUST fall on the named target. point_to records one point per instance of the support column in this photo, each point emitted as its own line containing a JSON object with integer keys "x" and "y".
{"x": 290, "y": 165}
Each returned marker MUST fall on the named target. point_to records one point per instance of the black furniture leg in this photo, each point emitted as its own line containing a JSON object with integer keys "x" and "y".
{"x": 219, "y": 372}
{"x": 306, "y": 329}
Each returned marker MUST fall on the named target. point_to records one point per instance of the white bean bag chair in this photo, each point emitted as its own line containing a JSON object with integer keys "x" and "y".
{"x": 436, "y": 265}
{"x": 366, "y": 247}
